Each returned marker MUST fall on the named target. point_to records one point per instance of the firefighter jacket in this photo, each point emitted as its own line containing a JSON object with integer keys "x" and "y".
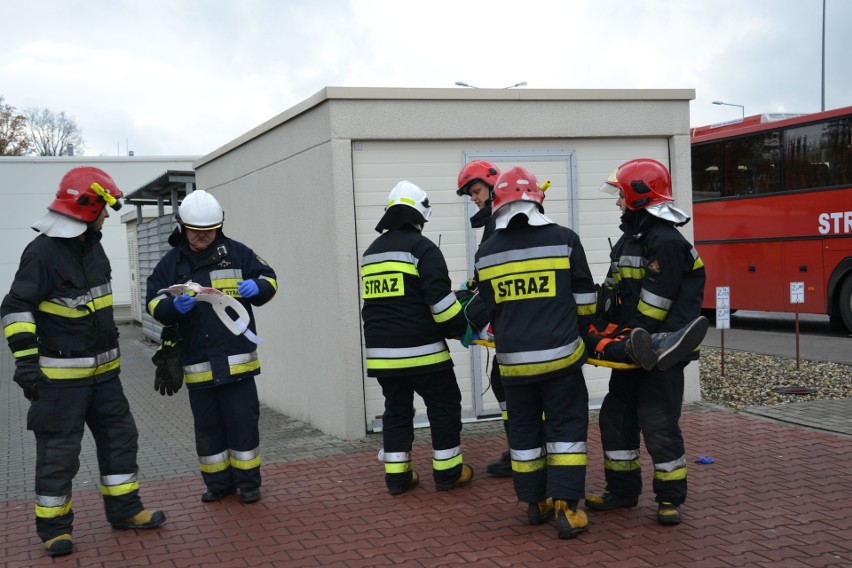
{"x": 657, "y": 274}
{"x": 212, "y": 355}
{"x": 538, "y": 288}
{"x": 60, "y": 308}
{"x": 409, "y": 306}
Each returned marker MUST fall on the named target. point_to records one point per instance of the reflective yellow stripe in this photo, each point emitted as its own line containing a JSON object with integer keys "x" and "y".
{"x": 448, "y": 314}
{"x": 201, "y": 377}
{"x": 245, "y": 464}
{"x": 528, "y": 466}
{"x": 43, "y": 512}
{"x": 65, "y": 312}
{"x": 407, "y": 362}
{"x": 19, "y": 327}
{"x": 242, "y": 368}
{"x": 214, "y": 463}
{"x": 402, "y": 467}
{"x": 389, "y": 266}
{"x": 622, "y": 465}
{"x": 556, "y": 263}
{"x": 675, "y": 475}
{"x": 79, "y": 373}
{"x": 567, "y": 459}
{"x": 25, "y": 353}
{"x": 587, "y": 309}
{"x": 117, "y": 490}
{"x": 272, "y": 281}
{"x": 443, "y": 465}
{"x": 651, "y": 311}
{"x": 630, "y": 273}
{"x": 533, "y": 369}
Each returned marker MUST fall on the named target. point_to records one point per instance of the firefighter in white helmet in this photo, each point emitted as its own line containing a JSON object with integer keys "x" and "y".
{"x": 409, "y": 311}
{"x": 535, "y": 281}
{"x": 219, "y": 366}
{"x": 58, "y": 320}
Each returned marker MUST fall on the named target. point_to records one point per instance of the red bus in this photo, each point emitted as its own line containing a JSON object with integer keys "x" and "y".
{"x": 772, "y": 205}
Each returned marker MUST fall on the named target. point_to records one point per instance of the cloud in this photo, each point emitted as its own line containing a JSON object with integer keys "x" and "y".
{"x": 180, "y": 78}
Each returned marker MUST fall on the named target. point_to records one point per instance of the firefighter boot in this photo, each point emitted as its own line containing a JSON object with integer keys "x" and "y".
{"x": 399, "y": 489}
{"x": 249, "y": 496}
{"x": 669, "y": 514}
{"x": 144, "y": 519}
{"x": 608, "y": 501}
{"x": 539, "y": 513}
{"x": 211, "y": 495}
{"x": 673, "y": 346}
{"x": 501, "y": 467}
{"x": 59, "y": 545}
{"x": 465, "y": 478}
{"x": 569, "y": 521}
{"x": 640, "y": 348}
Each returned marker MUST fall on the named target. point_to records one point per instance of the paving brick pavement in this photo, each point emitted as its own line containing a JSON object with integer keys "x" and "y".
{"x": 778, "y": 494}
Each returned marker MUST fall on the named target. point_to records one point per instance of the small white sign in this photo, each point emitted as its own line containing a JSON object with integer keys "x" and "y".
{"x": 723, "y": 307}
{"x": 797, "y": 292}
{"x": 723, "y": 297}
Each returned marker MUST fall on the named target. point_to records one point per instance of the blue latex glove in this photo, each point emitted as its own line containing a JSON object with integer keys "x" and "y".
{"x": 184, "y": 303}
{"x": 248, "y": 288}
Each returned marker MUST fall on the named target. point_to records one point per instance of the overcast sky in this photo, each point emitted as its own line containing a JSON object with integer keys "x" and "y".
{"x": 184, "y": 77}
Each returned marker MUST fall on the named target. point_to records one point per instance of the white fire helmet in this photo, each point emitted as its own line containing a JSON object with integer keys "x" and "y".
{"x": 406, "y": 193}
{"x": 201, "y": 211}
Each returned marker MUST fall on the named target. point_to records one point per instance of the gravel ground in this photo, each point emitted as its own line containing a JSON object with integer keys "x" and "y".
{"x": 755, "y": 380}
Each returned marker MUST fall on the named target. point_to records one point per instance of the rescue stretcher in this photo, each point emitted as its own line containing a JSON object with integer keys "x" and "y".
{"x": 590, "y": 360}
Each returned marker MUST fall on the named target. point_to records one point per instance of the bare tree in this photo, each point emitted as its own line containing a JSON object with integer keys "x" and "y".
{"x": 13, "y": 131}
{"x": 51, "y": 133}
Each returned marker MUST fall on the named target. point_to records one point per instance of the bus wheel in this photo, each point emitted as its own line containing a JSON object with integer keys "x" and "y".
{"x": 845, "y": 302}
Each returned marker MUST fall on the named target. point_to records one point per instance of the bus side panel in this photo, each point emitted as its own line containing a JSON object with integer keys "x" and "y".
{"x": 752, "y": 271}
{"x": 803, "y": 262}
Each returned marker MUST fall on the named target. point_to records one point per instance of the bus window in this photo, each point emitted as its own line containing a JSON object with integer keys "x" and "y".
{"x": 818, "y": 155}
{"x": 706, "y": 165}
{"x": 751, "y": 164}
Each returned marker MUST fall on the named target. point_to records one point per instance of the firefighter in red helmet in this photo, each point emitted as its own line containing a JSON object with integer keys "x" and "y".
{"x": 536, "y": 284}
{"x": 476, "y": 180}
{"x": 58, "y": 320}
{"x": 656, "y": 286}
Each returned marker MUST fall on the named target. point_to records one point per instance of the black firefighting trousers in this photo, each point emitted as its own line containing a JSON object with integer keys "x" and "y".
{"x": 58, "y": 419}
{"x": 227, "y": 435}
{"x": 442, "y": 396}
{"x": 650, "y": 403}
{"x": 549, "y": 454}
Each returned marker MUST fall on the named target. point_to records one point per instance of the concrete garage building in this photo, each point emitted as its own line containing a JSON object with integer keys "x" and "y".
{"x": 306, "y": 189}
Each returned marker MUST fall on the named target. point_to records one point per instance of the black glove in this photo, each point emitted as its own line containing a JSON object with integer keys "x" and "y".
{"x": 168, "y": 377}
{"x": 29, "y": 377}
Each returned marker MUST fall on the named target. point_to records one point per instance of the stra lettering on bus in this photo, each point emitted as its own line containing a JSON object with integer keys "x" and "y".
{"x": 836, "y": 222}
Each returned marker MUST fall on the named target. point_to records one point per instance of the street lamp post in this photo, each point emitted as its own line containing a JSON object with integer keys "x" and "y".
{"x": 518, "y": 84}
{"x": 742, "y": 108}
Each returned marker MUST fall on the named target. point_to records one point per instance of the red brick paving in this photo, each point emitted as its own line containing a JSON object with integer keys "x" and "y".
{"x": 777, "y": 495}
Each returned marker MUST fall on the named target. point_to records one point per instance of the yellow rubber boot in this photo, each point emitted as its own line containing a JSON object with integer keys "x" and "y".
{"x": 144, "y": 519}
{"x": 59, "y": 545}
